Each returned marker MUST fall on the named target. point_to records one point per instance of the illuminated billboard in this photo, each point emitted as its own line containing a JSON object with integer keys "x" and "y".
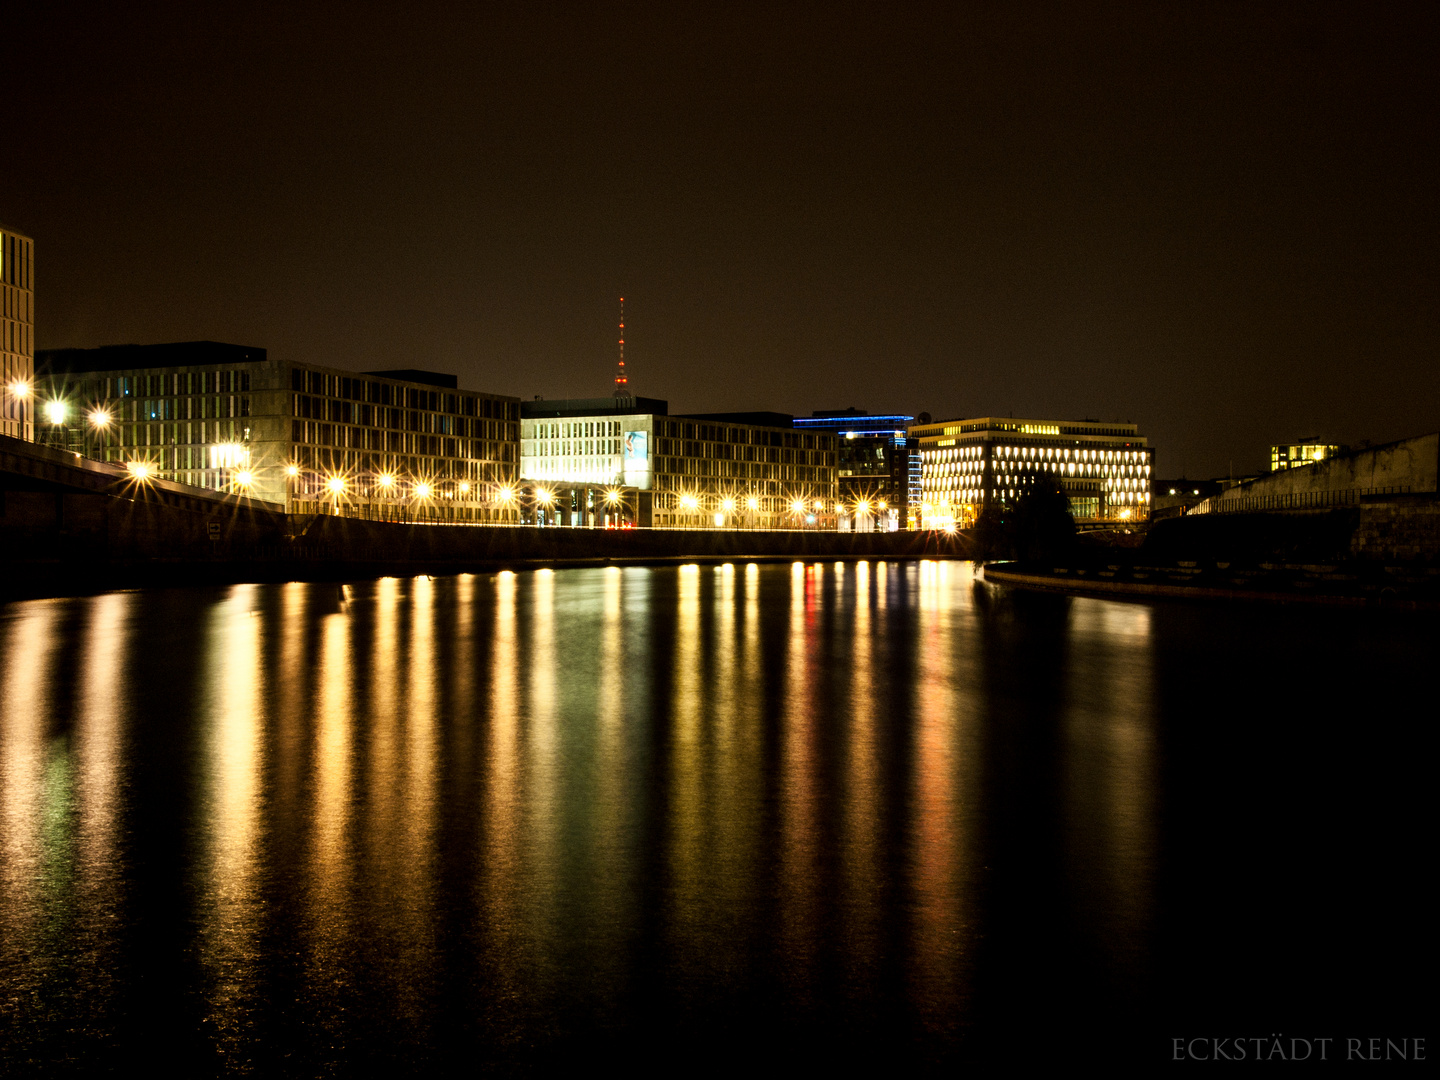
{"x": 636, "y": 459}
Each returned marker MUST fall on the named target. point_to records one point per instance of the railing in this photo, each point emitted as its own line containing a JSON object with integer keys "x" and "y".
{"x": 1300, "y": 500}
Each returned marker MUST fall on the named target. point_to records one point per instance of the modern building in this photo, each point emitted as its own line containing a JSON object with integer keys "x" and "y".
{"x": 401, "y": 444}
{"x": 875, "y": 464}
{"x": 586, "y": 456}
{"x": 17, "y": 334}
{"x": 1105, "y": 468}
{"x": 1304, "y": 452}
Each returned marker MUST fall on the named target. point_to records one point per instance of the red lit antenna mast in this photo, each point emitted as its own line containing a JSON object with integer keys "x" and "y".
{"x": 622, "y": 384}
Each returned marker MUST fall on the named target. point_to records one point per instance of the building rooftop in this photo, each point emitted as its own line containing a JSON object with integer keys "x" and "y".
{"x": 607, "y": 406}
{"x": 754, "y": 419}
{"x": 415, "y": 375}
{"x": 124, "y": 357}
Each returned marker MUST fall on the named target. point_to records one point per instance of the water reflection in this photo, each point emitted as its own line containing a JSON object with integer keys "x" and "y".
{"x": 508, "y": 811}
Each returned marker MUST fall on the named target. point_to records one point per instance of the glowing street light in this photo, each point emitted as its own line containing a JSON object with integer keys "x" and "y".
{"x": 386, "y": 481}
{"x": 689, "y": 502}
{"x": 55, "y": 412}
{"x": 544, "y": 495}
{"x": 139, "y": 470}
{"x": 798, "y": 506}
{"x": 244, "y": 479}
{"x": 727, "y": 505}
{"x": 464, "y": 487}
{"x": 292, "y": 470}
{"x": 99, "y": 418}
{"x": 20, "y": 389}
{"x": 753, "y": 503}
{"x": 335, "y": 485}
{"x": 424, "y": 490}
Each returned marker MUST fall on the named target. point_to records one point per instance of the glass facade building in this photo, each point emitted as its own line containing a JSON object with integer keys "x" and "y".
{"x": 875, "y": 458}
{"x": 392, "y": 445}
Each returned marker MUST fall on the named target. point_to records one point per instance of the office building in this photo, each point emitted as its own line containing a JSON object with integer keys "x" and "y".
{"x": 966, "y": 465}
{"x": 1303, "y": 452}
{"x": 731, "y": 470}
{"x": 875, "y": 466}
{"x": 17, "y": 334}
{"x": 394, "y": 445}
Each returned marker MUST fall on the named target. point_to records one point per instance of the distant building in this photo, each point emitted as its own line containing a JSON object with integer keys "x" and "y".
{"x": 966, "y": 465}
{"x": 17, "y": 334}
{"x": 1304, "y": 452}
{"x": 402, "y": 444}
{"x": 875, "y": 465}
{"x": 598, "y": 461}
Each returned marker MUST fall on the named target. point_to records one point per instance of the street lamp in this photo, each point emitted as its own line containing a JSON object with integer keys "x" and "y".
{"x": 335, "y": 485}
{"x": 99, "y": 419}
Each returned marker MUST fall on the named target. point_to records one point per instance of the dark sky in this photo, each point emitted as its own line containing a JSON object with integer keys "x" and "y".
{"x": 1218, "y": 221}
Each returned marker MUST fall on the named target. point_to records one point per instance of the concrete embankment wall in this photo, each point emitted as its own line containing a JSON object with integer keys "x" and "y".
{"x": 1387, "y": 528}
{"x": 58, "y": 542}
{"x": 1412, "y": 464}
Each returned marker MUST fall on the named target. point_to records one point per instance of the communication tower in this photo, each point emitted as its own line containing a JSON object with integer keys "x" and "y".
{"x": 622, "y": 384}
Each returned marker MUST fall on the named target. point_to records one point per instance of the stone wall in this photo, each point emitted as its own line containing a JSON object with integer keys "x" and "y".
{"x": 1398, "y": 530}
{"x": 1412, "y": 464}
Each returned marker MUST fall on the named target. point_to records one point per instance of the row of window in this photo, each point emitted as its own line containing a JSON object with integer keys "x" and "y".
{"x": 169, "y": 384}
{"x": 738, "y": 433}
{"x": 17, "y": 261}
{"x": 398, "y": 442}
{"x": 17, "y": 337}
{"x": 345, "y": 412}
{"x": 17, "y": 304}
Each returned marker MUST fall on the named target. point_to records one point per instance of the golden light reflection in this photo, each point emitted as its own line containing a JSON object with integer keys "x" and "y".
{"x": 103, "y": 700}
{"x": 945, "y": 712}
{"x": 862, "y": 783}
{"x": 501, "y": 826}
{"x": 408, "y": 863}
{"x": 32, "y": 634}
{"x": 230, "y": 713}
{"x": 799, "y": 799}
{"x": 331, "y": 861}
{"x": 688, "y": 848}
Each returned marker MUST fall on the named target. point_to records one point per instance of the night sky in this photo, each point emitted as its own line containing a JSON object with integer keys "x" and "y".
{"x": 1218, "y": 221}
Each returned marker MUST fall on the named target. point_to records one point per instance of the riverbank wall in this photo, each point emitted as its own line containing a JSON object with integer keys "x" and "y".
{"x": 69, "y": 525}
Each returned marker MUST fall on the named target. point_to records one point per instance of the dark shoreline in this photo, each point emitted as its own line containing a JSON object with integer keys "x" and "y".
{"x": 1374, "y": 587}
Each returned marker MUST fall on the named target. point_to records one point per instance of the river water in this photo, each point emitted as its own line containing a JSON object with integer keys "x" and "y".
{"x": 701, "y": 816}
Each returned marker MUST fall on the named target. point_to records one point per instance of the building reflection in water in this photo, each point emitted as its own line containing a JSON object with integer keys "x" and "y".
{"x": 558, "y": 802}
{"x": 1109, "y": 780}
